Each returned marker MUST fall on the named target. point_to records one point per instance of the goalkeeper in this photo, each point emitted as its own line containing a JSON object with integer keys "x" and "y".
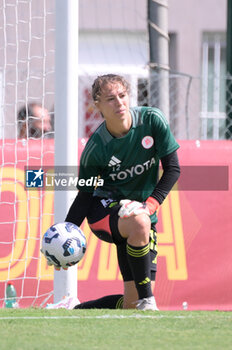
{"x": 124, "y": 155}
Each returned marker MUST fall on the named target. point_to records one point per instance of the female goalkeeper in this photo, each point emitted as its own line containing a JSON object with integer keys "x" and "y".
{"x": 124, "y": 155}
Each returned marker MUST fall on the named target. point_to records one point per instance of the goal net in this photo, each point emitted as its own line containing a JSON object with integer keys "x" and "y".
{"x": 26, "y": 140}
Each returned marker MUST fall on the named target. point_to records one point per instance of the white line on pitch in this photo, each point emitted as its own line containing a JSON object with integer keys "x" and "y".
{"x": 82, "y": 317}
{"x": 98, "y": 317}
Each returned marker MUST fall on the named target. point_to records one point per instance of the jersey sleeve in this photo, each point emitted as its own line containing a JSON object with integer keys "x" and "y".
{"x": 79, "y": 208}
{"x": 89, "y": 170}
{"x": 165, "y": 142}
{"x": 169, "y": 177}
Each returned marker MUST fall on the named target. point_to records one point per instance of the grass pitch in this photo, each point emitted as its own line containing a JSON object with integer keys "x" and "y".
{"x": 33, "y": 329}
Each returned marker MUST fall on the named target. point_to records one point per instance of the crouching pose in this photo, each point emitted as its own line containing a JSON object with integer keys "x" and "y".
{"x": 124, "y": 154}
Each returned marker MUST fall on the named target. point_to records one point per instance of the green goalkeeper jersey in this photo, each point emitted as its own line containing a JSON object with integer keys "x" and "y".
{"x": 127, "y": 167}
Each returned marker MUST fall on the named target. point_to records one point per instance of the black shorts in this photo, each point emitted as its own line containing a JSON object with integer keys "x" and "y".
{"x": 103, "y": 222}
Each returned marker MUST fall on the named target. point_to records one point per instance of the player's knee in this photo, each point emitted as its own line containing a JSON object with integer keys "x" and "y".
{"x": 142, "y": 222}
{"x": 136, "y": 227}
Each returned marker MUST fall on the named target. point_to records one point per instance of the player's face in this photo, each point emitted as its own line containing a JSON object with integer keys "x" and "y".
{"x": 114, "y": 103}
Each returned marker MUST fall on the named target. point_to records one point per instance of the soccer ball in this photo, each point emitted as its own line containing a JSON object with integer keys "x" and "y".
{"x": 64, "y": 245}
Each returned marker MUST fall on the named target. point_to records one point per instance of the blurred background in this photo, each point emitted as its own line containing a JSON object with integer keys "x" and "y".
{"x": 116, "y": 37}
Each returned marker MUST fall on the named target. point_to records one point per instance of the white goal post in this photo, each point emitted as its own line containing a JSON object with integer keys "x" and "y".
{"x": 66, "y": 121}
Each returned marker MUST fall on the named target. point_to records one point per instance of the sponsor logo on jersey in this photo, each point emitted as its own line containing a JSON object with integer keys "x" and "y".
{"x": 147, "y": 142}
{"x": 114, "y": 161}
{"x": 136, "y": 170}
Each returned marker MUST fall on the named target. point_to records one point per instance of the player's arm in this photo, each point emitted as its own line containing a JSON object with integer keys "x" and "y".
{"x": 79, "y": 208}
{"x": 171, "y": 173}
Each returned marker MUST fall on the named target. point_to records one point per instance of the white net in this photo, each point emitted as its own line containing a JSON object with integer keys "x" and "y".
{"x": 26, "y": 129}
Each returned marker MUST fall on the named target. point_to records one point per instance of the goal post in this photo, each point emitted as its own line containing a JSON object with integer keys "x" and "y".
{"x": 66, "y": 121}
{"x": 158, "y": 51}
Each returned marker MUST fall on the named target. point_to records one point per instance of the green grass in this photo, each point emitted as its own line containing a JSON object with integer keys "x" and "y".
{"x": 34, "y": 329}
